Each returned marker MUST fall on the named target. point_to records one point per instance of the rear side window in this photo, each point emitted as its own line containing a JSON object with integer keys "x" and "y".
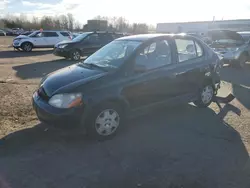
{"x": 50, "y": 34}
{"x": 198, "y": 49}
{"x": 65, "y": 34}
{"x": 188, "y": 49}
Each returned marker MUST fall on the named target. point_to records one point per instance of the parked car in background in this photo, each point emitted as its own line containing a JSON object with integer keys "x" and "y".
{"x": 8, "y": 32}
{"x": 38, "y": 39}
{"x": 74, "y": 35}
{"x": 231, "y": 46}
{"x": 2, "y": 33}
{"x": 129, "y": 75}
{"x": 84, "y": 44}
{"x": 17, "y": 31}
{"x": 27, "y": 33}
{"x": 245, "y": 35}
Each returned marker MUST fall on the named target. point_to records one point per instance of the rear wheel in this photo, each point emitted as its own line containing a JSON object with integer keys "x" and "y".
{"x": 75, "y": 55}
{"x": 27, "y": 47}
{"x": 205, "y": 97}
{"x": 242, "y": 60}
{"x": 104, "y": 121}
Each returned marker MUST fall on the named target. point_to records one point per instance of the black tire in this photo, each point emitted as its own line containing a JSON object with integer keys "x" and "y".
{"x": 27, "y": 46}
{"x": 93, "y": 127}
{"x": 200, "y": 102}
{"x": 242, "y": 60}
{"x": 75, "y": 55}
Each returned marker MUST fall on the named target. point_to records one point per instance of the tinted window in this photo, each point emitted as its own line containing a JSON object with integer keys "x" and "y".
{"x": 105, "y": 38}
{"x": 93, "y": 39}
{"x": 50, "y": 34}
{"x": 187, "y": 49}
{"x": 65, "y": 34}
{"x": 155, "y": 55}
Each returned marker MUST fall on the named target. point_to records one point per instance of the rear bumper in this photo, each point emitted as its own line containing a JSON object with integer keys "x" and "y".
{"x": 55, "y": 116}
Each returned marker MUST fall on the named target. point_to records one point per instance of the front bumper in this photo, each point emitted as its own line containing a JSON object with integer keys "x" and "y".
{"x": 61, "y": 52}
{"x": 55, "y": 116}
{"x": 16, "y": 44}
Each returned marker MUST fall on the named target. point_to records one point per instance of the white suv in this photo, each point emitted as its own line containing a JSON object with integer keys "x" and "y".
{"x": 38, "y": 39}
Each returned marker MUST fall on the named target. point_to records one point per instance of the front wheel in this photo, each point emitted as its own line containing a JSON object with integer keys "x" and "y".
{"x": 104, "y": 121}
{"x": 205, "y": 96}
{"x": 75, "y": 55}
{"x": 27, "y": 47}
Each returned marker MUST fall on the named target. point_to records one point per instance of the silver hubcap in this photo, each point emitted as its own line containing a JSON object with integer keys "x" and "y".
{"x": 76, "y": 55}
{"x": 27, "y": 47}
{"x": 207, "y": 94}
{"x": 107, "y": 122}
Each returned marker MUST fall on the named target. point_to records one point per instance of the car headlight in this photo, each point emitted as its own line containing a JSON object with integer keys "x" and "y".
{"x": 66, "y": 100}
{"x": 62, "y": 46}
{"x": 232, "y": 49}
{"x": 17, "y": 40}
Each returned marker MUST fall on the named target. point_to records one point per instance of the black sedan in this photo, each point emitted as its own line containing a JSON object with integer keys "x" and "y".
{"x": 84, "y": 44}
{"x": 127, "y": 76}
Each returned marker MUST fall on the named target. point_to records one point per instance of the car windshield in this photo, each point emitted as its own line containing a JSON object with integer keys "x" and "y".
{"x": 227, "y": 41}
{"x": 113, "y": 54}
{"x": 33, "y": 33}
{"x": 80, "y": 37}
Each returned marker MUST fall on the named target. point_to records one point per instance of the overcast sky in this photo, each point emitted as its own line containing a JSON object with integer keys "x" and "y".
{"x": 147, "y": 11}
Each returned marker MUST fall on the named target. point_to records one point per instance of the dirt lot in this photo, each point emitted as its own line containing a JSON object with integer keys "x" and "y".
{"x": 181, "y": 147}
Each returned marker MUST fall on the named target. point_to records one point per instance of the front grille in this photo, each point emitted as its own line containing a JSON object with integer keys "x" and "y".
{"x": 41, "y": 92}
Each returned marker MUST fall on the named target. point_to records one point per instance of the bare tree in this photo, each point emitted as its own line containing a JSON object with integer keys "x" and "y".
{"x": 77, "y": 26}
{"x": 64, "y": 22}
{"x": 71, "y": 21}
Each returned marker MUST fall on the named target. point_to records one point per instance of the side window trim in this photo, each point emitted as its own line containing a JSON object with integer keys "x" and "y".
{"x": 202, "y": 49}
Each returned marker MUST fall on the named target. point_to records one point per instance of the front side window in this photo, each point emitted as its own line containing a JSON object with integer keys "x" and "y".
{"x": 105, "y": 38}
{"x": 81, "y": 37}
{"x": 113, "y": 54}
{"x": 188, "y": 49}
{"x": 50, "y": 34}
{"x": 155, "y": 55}
{"x": 92, "y": 39}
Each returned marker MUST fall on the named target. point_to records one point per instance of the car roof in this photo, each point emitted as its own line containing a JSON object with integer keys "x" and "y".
{"x": 51, "y": 31}
{"x": 244, "y": 32}
{"x": 145, "y": 37}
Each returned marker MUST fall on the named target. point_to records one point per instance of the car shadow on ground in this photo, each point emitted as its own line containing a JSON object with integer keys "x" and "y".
{"x": 14, "y": 54}
{"x": 240, "y": 80}
{"x": 179, "y": 147}
{"x": 40, "y": 69}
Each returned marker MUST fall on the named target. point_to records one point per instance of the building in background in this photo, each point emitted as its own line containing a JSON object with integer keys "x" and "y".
{"x": 203, "y": 27}
{"x": 96, "y": 25}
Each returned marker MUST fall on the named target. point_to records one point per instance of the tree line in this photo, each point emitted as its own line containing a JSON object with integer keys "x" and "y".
{"x": 68, "y": 22}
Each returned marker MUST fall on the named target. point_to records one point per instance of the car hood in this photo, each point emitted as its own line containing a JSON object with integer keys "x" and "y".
{"x": 21, "y": 37}
{"x": 69, "y": 78}
{"x": 65, "y": 42}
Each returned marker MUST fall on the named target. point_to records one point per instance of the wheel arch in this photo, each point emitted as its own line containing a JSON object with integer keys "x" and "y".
{"x": 122, "y": 102}
{"x": 27, "y": 42}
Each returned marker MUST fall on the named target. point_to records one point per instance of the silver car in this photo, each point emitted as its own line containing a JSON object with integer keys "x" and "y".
{"x": 231, "y": 46}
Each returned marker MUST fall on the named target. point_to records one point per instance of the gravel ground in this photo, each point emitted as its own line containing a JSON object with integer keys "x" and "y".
{"x": 182, "y": 147}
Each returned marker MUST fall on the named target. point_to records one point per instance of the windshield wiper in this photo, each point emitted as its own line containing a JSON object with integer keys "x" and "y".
{"x": 94, "y": 65}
